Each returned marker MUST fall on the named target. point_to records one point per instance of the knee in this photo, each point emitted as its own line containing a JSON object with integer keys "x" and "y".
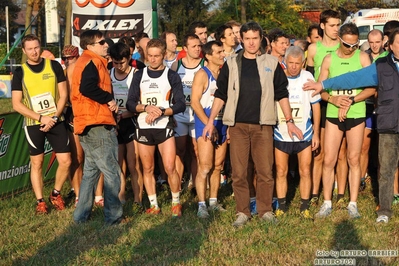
{"x": 170, "y": 169}
{"x": 281, "y": 172}
{"x": 304, "y": 173}
{"x": 204, "y": 169}
{"x": 353, "y": 160}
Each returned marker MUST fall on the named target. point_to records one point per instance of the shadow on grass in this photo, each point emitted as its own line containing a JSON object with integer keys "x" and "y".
{"x": 348, "y": 245}
{"x": 175, "y": 240}
{"x": 90, "y": 238}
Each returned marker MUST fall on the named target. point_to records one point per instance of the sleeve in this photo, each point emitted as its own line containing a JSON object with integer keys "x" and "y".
{"x": 16, "y": 83}
{"x": 89, "y": 85}
{"x": 59, "y": 72}
{"x": 222, "y": 83}
{"x": 133, "y": 97}
{"x": 179, "y": 104}
{"x": 365, "y": 77}
{"x": 280, "y": 82}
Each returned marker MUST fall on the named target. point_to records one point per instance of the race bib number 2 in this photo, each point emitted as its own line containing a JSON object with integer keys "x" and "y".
{"x": 43, "y": 104}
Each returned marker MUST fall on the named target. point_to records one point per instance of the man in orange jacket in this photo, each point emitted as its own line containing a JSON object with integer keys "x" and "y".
{"x": 94, "y": 107}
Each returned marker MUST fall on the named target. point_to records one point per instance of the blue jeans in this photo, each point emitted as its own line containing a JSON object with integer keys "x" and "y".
{"x": 388, "y": 155}
{"x": 101, "y": 156}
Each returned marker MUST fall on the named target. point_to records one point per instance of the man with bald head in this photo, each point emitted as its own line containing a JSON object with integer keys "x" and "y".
{"x": 375, "y": 39}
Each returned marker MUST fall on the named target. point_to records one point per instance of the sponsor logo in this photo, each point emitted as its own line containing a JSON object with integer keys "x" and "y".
{"x": 268, "y": 69}
{"x": 15, "y": 171}
{"x": 143, "y": 139}
{"x": 112, "y": 26}
{"x": 105, "y": 3}
{"x": 4, "y": 139}
{"x": 344, "y": 63}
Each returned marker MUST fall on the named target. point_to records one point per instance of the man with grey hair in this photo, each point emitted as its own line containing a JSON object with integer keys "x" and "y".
{"x": 303, "y": 105}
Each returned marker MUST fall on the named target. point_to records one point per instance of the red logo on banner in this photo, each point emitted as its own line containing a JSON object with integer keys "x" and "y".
{"x": 1, "y": 126}
{"x": 105, "y": 3}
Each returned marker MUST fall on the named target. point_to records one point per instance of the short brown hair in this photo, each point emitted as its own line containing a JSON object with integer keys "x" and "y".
{"x": 29, "y": 37}
{"x": 158, "y": 43}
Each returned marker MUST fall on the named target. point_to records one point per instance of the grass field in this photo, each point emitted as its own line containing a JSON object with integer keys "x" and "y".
{"x": 5, "y": 106}
{"x": 27, "y": 239}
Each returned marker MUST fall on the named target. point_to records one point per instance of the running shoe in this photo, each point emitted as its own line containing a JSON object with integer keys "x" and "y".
{"x": 217, "y": 207}
{"x": 279, "y": 212}
{"x": 314, "y": 201}
{"x": 252, "y": 207}
{"x": 362, "y": 186}
{"x": 57, "y": 202}
{"x": 306, "y": 214}
{"x": 382, "y": 219}
{"x": 176, "y": 209}
{"x": 269, "y": 217}
{"x": 153, "y": 210}
{"x": 323, "y": 212}
{"x": 41, "y": 208}
{"x": 341, "y": 203}
{"x": 353, "y": 212}
{"x": 241, "y": 220}
{"x": 202, "y": 212}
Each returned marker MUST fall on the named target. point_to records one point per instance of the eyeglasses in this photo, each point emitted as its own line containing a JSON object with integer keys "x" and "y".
{"x": 102, "y": 42}
{"x": 348, "y": 45}
{"x": 64, "y": 58}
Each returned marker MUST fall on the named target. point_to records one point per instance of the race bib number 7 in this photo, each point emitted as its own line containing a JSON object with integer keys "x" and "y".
{"x": 43, "y": 104}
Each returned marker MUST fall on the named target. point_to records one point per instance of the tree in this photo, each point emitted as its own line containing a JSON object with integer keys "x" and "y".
{"x": 176, "y": 15}
{"x": 268, "y": 13}
{"x": 12, "y": 14}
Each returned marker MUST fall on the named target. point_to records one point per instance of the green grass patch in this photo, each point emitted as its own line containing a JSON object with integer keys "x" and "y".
{"x": 54, "y": 239}
{"x": 5, "y": 106}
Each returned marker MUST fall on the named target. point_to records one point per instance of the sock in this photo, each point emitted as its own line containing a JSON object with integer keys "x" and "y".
{"x": 354, "y": 203}
{"x": 153, "y": 200}
{"x": 252, "y": 199}
{"x": 340, "y": 196}
{"x": 55, "y": 193}
{"x": 213, "y": 201}
{"x": 98, "y": 198}
{"x": 282, "y": 204}
{"x": 201, "y": 203}
{"x": 328, "y": 202}
{"x": 40, "y": 200}
{"x": 304, "y": 205}
{"x": 176, "y": 197}
{"x": 315, "y": 195}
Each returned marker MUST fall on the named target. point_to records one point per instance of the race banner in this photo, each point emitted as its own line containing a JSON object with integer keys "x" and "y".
{"x": 14, "y": 156}
{"x": 52, "y": 24}
{"x": 114, "y": 18}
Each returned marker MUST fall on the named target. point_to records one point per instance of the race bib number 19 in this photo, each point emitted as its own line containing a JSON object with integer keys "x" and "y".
{"x": 43, "y": 104}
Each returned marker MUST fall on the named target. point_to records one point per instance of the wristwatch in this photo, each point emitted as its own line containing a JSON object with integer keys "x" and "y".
{"x": 162, "y": 110}
{"x": 55, "y": 118}
{"x": 290, "y": 121}
{"x": 352, "y": 98}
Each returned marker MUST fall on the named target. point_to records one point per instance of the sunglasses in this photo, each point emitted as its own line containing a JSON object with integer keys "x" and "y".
{"x": 102, "y": 42}
{"x": 64, "y": 58}
{"x": 348, "y": 45}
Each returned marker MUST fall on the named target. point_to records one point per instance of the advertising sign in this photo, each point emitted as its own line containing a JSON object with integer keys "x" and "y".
{"x": 114, "y": 18}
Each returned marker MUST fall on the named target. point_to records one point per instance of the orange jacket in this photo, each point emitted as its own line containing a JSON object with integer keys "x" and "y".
{"x": 85, "y": 110}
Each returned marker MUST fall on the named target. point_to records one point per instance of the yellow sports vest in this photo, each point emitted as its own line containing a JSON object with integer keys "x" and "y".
{"x": 39, "y": 91}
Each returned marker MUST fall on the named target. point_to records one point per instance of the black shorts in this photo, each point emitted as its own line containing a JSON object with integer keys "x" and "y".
{"x": 126, "y": 129}
{"x": 291, "y": 147}
{"x": 68, "y": 115}
{"x": 57, "y": 137}
{"x": 347, "y": 124}
{"x": 154, "y": 136}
